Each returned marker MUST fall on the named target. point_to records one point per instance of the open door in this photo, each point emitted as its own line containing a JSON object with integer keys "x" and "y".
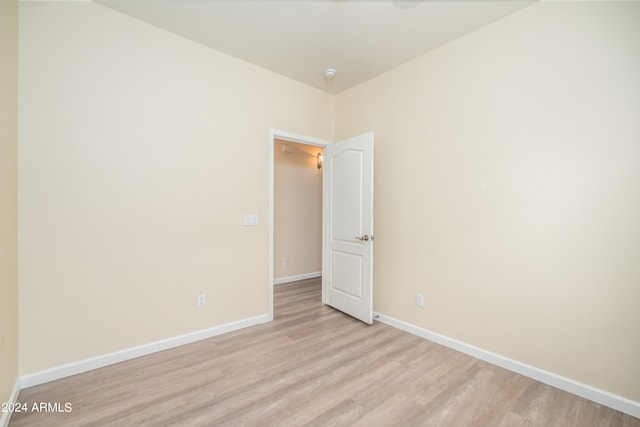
{"x": 347, "y": 262}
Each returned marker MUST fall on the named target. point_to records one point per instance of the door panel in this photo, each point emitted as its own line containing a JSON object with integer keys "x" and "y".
{"x": 346, "y": 274}
{"x": 348, "y": 218}
{"x": 347, "y": 195}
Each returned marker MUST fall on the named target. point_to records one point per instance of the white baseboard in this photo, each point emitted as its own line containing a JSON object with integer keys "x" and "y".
{"x": 602, "y": 397}
{"x": 297, "y": 277}
{"x": 85, "y": 365}
{"x": 5, "y": 417}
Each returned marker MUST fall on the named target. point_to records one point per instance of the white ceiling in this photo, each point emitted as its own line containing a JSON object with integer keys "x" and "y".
{"x": 301, "y": 38}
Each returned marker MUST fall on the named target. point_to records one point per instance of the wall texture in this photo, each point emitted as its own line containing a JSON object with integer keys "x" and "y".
{"x": 140, "y": 151}
{"x": 8, "y": 198}
{"x": 508, "y": 189}
{"x": 297, "y": 210}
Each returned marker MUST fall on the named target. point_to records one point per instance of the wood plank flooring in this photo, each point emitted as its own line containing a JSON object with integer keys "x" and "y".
{"x": 311, "y": 366}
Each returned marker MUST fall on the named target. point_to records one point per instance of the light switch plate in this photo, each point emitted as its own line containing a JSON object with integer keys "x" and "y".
{"x": 251, "y": 219}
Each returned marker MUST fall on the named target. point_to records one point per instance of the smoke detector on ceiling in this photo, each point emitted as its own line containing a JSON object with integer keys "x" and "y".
{"x": 329, "y": 73}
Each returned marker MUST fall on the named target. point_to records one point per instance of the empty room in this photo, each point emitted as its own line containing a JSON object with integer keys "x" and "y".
{"x": 321, "y": 213}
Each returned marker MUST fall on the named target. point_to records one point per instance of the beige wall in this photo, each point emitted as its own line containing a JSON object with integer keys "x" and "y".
{"x": 297, "y": 222}
{"x": 507, "y": 186}
{"x": 8, "y": 198}
{"x": 508, "y": 189}
{"x": 140, "y": 152}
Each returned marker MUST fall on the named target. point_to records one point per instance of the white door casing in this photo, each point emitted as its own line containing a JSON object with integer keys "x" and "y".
{"x": 347, "y": 262}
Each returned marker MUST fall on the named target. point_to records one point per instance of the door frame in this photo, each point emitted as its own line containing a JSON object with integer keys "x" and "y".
{"x": 291, "y": 137}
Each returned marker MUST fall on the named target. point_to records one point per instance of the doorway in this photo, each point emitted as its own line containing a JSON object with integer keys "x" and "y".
{"x": 297, "y": 218}
{"x": 347, "y": 222}
{"x": 289, "y": 258}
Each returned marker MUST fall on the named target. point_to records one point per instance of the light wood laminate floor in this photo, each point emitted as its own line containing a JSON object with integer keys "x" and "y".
{"x": 311, "y": 366}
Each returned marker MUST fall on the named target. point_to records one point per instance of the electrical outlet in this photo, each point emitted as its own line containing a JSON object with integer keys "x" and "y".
{"x": 202, "y": 300}
{"x": 420, "y": 300}
{"x": 285, "y": 261}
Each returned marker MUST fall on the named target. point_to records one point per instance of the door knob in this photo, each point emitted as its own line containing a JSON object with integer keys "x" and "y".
{"x": 364, "y": 238}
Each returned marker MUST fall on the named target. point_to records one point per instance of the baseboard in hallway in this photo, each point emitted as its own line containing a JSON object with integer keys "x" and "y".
{"x": 297, "y": 278}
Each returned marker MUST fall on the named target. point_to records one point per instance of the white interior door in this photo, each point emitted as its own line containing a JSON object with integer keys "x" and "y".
{"x": 347, "y": 261}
